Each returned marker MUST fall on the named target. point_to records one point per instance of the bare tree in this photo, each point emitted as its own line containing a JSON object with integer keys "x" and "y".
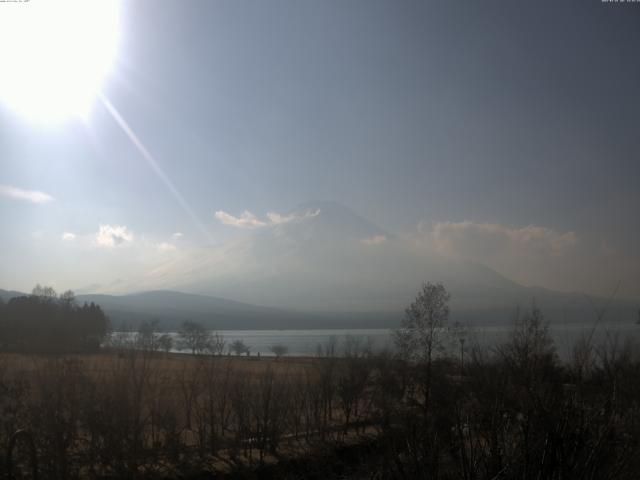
{"x": 279, "y": 349}
{"x": 147, "y": 337}
{"x": 121, "y": 340}
{"x": 530, "y": 347}
{"x": 165, "y": 342}
{"x": 238, "y": 347}
{"x": 194, "y": 336}
{"x": 268, "y": 404}
{"x": 419, "y": 335}
{"x": 44, "y": 293}
{"x": 68, "y": 298}
{"x": 328, "y": 349}
{"x": 216, "y": 344}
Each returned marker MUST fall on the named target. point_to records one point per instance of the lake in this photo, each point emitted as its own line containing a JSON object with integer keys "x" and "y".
{"x": 305, "y": 342}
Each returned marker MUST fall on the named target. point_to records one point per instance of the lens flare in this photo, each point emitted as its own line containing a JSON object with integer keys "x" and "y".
{"x": 157, "y": 169}
{"x": 54, "y": 55}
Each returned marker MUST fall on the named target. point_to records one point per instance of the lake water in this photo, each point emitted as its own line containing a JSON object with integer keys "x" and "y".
{"x": 305, "y": 342}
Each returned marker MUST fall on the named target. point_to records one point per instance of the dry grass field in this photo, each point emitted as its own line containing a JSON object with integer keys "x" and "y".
{"x": 138, "y": 414}
{"x": 158, "y": 413}
{"x": 169, "y": 363}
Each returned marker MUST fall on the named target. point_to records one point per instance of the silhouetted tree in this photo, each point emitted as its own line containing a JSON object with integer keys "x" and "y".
{"x": 216, "y": 344}
{"x": 43, "y": 321}
{"x": 147, "y": 336}
{"x": 238, "y": 347}
{"x": 44, "y": 293}
{"x": 194, "y": 336}
{"x": 68, "y": 298}
{"x": 420, "y": 334}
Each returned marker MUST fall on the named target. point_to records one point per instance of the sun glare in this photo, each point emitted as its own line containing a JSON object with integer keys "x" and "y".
{"x": 54, "y": 55}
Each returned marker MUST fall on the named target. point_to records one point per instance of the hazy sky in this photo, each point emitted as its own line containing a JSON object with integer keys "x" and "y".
{"x": 505, "y": 132}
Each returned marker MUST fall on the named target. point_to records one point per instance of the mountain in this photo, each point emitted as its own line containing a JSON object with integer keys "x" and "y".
{"x": 171, "y": 308}
{"x": 322, "y": 257}
{"x": 323, "y": 265}
{"x": 7, "y": 295}
{"x": 324, "y": 221}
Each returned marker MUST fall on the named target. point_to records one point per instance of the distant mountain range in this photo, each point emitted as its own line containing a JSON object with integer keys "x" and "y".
{"x": 322, "y": 265}
{"x": 170, "y": 308}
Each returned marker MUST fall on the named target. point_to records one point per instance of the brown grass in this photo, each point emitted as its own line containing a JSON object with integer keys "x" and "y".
{"x": 178, "y": 363}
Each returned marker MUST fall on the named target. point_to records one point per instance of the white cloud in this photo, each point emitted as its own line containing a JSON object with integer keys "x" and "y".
{"x": 249, "y": 220}
{"x": 279, "y": 219}
{"x": 375, "y": 240}
{"x": 33, "y": 196}
{"x": 112, "y": 236}
{"x": 485, "y": 240}
{"x": 177, "y": 235}
{"x": 166, "y": 247}
{"x": 245, "y": 220}
{"x": 68, "y": 236}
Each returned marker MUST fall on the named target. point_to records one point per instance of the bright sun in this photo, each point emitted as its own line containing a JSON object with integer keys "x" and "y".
{"x": 54, "y": 55}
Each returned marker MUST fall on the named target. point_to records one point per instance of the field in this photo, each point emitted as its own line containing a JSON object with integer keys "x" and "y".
{"x": 515, "y": 411}
{"x": 97, "y": 364}
{"x": 157, "y": 414}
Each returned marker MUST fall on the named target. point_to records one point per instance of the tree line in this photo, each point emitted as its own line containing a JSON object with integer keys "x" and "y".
{"x": 47, "y": 322}
{"x": 191, "y": 337}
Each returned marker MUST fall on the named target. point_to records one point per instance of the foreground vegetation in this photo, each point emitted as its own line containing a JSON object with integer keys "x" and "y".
{"x": 511, "y": 412}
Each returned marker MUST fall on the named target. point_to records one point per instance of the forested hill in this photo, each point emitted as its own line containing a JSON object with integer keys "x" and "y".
{"x": 46, "y": 322}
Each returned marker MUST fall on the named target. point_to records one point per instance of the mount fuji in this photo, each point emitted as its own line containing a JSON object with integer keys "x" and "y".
{"x": 322, "y": 257}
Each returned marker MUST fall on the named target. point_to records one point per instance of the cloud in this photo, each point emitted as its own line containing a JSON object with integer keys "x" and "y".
{"x": 177, "y": 235}
{"x": 139, "y": 247}
{"x": 249, "y": 220}
{"x": 166, "y": 247}
{"x": 33, "y": 196}
{"x": 277, "y": 219}
{"x": 109, "y": 236}
{"x": 530, "y": 255}
{"x": 375, "y": 240}
{"x": 245, "y": 220}
{"x": 485, "y": 240}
